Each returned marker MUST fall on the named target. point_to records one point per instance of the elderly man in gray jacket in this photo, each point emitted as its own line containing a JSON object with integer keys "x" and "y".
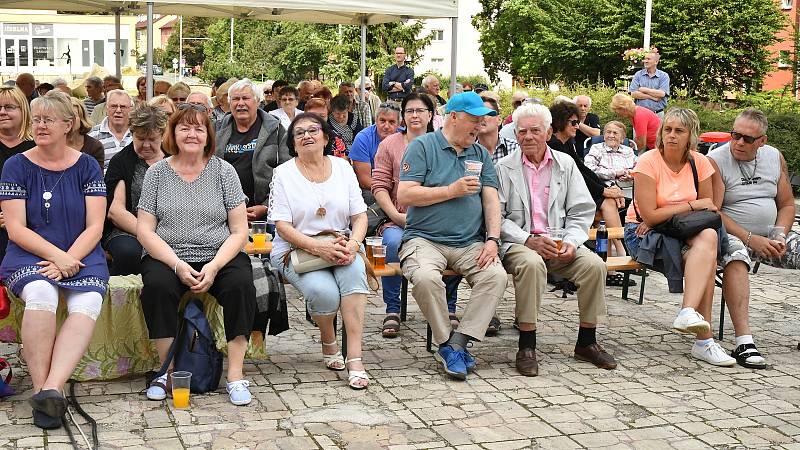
{"x": 254, "y": 142}
{"x": 541, "y": 189}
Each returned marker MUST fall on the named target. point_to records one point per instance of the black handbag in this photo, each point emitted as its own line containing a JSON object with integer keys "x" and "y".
{"x": 375, "y": 218}
{"x": 688, "y": 224}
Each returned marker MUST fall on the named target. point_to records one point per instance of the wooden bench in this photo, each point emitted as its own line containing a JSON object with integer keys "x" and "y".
{"x": 625, "y": 264}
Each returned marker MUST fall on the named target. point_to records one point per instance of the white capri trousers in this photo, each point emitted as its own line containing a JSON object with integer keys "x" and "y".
{"x": 40, "y": 295}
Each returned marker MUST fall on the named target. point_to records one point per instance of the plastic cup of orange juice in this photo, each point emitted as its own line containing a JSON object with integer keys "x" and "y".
{"x": 181, "y": 382}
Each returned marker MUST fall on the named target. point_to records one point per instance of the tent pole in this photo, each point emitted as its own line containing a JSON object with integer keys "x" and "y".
{"x": 362, "y": 91}
{"x": 648, "y": 12}
{"x": 453, "y": 54}
{"x": 149, "y": 68}
{"x": 117, "y": 50}
{"x": 180, "y": 50}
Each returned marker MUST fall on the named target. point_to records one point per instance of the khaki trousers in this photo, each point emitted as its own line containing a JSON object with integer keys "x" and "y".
{"x": 424, "y": 261}
{"x": 529, "y": 270}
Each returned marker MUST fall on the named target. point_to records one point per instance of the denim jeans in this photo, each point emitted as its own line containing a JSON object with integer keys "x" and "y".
{"x": 126, "y": 255}
{"x": 392, "y": 238}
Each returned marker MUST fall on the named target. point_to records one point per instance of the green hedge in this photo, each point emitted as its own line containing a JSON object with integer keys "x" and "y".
{"x": 782, "y": 111}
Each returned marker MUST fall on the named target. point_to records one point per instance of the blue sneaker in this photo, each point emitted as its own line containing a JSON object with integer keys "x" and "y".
{"x": 469, "y": 361}
{"x": 452, "y": 361}
{"x": 238, "y": 392}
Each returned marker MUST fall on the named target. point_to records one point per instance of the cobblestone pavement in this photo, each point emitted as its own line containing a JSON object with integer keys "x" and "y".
{"x": 658, "y": 397}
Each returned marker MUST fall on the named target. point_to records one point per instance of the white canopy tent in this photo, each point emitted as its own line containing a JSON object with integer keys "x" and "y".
{"x": 350, "y": 12}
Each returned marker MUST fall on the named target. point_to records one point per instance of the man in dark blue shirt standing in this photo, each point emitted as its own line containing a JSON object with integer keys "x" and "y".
{"x": 398, "y": 78}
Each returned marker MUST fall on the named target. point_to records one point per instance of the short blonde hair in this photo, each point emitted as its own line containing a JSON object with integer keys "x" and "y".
{"x": 622, "y": 102}
{"x": 685, "y": 117}
{"x": 179, "y": 88}
{"x": 15, "y": 95}
{"x": 56, "y": 102}
{"x": 84, "y": 126}
{"x": 162, "y": 100}
{"x": 223, "y": 88}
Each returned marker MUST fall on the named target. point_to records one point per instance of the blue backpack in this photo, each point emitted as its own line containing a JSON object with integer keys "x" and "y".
{"x": 195, "y": 351}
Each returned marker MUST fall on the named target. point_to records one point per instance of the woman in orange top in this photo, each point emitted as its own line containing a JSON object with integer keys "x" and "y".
{"x": 665, "y": 187}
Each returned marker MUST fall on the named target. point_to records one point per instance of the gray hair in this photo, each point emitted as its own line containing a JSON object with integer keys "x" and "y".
{"x": 532, "y": 110}
{"x": 754, "y": 115}
{"x": 245, "y": 83}
{"x": 57, "y": 102}
{"x": 428, "y": 79}
{"x": 575, "y": 100}
{"x": 59, "y": 82}
{"x": 94, "y": 81}
{"x": 206, "y": 100}
{"x": 119, "y": 92}
{"x": 387, "y": 107}
{"x": 562, "y": 98}
{"x": 368, "y": 82}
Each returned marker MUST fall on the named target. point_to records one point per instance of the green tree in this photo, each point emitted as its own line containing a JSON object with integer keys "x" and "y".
{"x": 193, "y": 28}
{"x": 707, "y": 46}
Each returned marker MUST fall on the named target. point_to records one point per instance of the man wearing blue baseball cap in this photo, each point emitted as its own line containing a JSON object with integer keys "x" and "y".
{"x": 453, "y": 220}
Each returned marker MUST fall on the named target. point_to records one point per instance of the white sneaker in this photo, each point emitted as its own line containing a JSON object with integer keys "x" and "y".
{"x": 713, "y": 353}
{"x": 692, "y": 323}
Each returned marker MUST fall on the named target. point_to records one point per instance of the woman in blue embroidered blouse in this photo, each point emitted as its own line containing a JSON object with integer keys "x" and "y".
{"x": 54, "y": 201}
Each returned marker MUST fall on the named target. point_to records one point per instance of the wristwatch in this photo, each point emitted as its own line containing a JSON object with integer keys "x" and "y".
{"x": 495, "y": 239}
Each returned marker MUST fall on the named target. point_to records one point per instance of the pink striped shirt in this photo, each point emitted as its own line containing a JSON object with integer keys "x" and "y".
{"x": 539, "y": 186}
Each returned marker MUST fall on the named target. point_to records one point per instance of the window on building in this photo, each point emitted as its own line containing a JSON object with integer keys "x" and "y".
{"x": 43, "y": 52}
{"x": 85, "y": 53}
{"x": 784, "y": 59}
{"x": 438, "y": 35}
{"x": 99, "y": 53}
{"x": 786, "y": 4}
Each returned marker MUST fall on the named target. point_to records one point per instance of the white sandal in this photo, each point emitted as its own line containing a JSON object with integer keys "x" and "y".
{"x": 355, "y": 375}
{"x": 334, "y": 361}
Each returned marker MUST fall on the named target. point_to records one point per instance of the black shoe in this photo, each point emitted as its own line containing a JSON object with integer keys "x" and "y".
{"x": 494, "y": 326}
{"x": 50, "y": 402}
{"x": 746, "y": 351}
{"x": 45, "y": 422}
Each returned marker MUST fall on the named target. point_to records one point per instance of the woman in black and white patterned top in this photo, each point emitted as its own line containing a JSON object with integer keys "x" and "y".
{"x": 192, "y": 224}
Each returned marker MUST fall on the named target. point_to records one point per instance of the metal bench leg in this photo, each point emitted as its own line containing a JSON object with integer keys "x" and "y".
{"x": 626, "y": 276}
{"x": 721, "y": 316}
{"x": 429, "y": 340}
{"x": 344, "y": 338}
{"x": 641, "y": 289}
{"x": 403, "y": 298}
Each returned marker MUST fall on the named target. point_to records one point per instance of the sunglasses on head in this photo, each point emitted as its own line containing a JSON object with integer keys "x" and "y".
{"x": 735, "y": 136}
{"x": 195, "y": 106}
{"x": 389, "y": 105}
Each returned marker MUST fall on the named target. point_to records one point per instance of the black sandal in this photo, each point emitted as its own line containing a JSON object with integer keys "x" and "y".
{"x": 391, "y": 326}
{"x": 618, "y": 280}
{"x": 494, "y": 326}
{"x": 745, "y": 351}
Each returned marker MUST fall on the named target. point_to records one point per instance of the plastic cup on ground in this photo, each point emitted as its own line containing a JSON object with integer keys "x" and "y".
{"x": 181, "y": 382}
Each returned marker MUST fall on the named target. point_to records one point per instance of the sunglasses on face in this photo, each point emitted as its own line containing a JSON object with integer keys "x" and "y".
{"x": 574, "y": 122}
{"x": 735, "y": 136}
{"x": 195, "y": 106}
{"x": 267, "y": 92}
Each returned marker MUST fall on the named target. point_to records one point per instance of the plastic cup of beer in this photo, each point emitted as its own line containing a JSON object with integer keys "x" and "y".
{"x": 372, "y": 242}
{"x": 472, "y": 168}
{"x": 379, "y": 254}
{"x": 259, "y": 234}
{"x": 556, "y": 235}
{"x": 777, "y": 233}
{"x": 181, "y": 381}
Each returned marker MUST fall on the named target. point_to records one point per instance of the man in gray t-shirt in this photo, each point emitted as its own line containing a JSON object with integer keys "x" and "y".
{"x": 752, "y": 190}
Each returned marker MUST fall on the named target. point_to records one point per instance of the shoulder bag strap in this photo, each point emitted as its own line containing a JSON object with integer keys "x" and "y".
{"x": 173, "y": 348}
{"x": 694, "y": 175}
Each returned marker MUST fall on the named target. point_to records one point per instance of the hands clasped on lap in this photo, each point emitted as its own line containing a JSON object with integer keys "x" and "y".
{"x": 62, "y": 266}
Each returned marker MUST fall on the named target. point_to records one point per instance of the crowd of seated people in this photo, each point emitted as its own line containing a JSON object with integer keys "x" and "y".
{"x": 166, "y": 188}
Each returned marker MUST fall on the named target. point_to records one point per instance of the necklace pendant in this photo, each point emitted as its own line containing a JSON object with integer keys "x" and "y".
{"x": 321, "y": 211}
{"x": 46, "y": 204}
{"x": 47, "y": 195}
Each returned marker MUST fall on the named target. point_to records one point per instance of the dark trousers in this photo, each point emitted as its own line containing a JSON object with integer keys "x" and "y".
{"x": 233, "y": 288}
{"x": 126, "y": 255}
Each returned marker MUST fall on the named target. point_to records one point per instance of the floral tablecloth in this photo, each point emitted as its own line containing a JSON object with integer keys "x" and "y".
{"x": 120, "y": 344}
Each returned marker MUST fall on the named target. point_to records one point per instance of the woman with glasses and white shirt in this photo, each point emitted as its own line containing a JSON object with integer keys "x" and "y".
{"x": 312, "y": 194}
{"x": 288, "y": 101}
{"x": 54, "y": 201}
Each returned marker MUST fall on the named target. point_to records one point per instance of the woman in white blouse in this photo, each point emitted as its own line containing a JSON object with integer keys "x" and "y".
{"x": 311, "y": 194}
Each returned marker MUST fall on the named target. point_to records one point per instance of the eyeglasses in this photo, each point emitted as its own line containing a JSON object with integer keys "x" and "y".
{"x": 9, "y": 108}
{"x": 267, "y": 92}
{"x": 312, "y": 131}
{"x": 195, "y": 106}
{"x": 122, "y": 107}
{"x": 418, "y": 111}
{"x": 46, "y": 121}
{"x": 735, "y": 136}
{"x": 288, "y": 99}
{"x": 574, "y": 122}
{"x": 392, "y": 106}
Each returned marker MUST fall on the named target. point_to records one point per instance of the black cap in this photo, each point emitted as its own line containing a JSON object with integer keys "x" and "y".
{"x": 480, "y": 87}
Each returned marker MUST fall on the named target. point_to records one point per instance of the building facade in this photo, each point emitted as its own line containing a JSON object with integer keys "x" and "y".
{"x": 782, "y": 76}
{"x": 48, "y": 44}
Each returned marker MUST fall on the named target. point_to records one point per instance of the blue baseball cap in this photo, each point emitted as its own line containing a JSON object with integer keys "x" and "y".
{"x": 470, "y": 103}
